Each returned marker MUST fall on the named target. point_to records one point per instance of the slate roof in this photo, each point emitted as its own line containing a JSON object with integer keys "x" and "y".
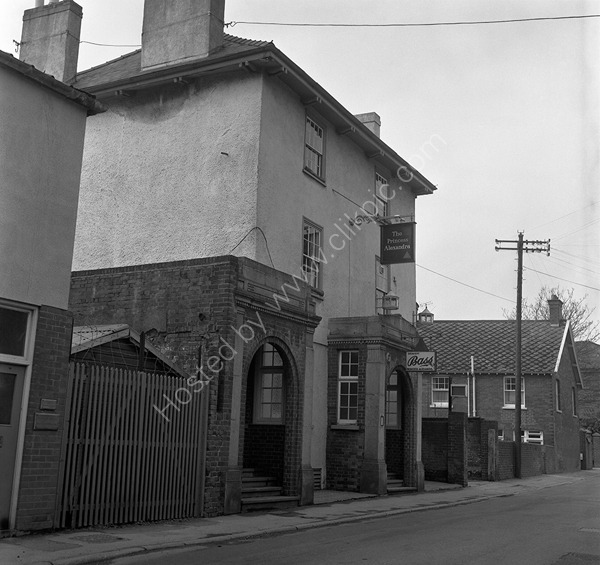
{"x": 130, "y": 64}
{"x": 492, "y": 344}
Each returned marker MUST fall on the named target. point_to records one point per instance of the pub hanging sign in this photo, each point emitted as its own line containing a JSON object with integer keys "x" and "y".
{"x": 397, "y": 243}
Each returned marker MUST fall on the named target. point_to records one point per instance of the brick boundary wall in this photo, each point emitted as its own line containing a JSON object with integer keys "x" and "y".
{"x": 457, "y": 448}
{"x": 506, "y": 460}
{"x": 532, "y": 460}
{"x": 39, "y": 485}
{"x": 434, "y": 451}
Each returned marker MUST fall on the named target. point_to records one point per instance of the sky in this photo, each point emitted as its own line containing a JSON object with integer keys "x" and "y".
{"x": 503, "y": 118}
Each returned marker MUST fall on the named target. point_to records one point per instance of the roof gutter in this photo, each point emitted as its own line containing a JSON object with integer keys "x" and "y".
{"x": 80, "y": 97}
{"x": 286, "y": 70}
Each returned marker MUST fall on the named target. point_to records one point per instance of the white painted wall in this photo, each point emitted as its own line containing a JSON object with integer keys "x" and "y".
{"x": 40, "y": 164}
{"x": 287, "y": 195}
{"x": 170, "y": 175}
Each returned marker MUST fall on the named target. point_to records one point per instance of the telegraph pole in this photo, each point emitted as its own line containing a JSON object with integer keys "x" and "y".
{"x": 536, "y": 246}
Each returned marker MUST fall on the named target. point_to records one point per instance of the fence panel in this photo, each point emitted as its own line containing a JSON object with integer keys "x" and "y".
{"x": 123, "y": 461}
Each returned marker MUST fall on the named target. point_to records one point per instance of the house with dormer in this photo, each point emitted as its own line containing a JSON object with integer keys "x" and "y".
{"x": 231, "y": 209}
{"x": 476, "y": 374}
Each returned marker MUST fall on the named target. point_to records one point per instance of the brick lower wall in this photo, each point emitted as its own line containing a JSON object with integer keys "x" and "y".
{"x": 434, "y": 452}
{"x": 39, "y": 484}
{"x": 532, "y": 460}
{"x": 506, "y": 460}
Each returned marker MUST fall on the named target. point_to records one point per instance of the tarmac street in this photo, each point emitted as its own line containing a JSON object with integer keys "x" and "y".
{"x": 545, "y": 520}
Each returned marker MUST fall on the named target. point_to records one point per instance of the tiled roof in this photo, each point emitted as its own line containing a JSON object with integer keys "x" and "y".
{"x": 130, "y": 64}
{"x": 492, "y": 343}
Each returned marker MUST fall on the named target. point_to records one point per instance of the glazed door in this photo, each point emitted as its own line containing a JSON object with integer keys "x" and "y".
{"x": 11, "y": 391}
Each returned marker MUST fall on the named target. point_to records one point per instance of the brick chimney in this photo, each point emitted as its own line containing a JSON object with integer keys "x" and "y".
{"x": 555, "y": 310}
{"x": 371, "y": 120}
{"x": 50, "y": 38}
{"x": 176, "y": 31}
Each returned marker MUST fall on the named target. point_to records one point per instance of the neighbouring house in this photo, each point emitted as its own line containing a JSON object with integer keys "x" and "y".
{"x": 42, "y": 125}
{"x": 476, "y": 360}
{"x": 231, "y": 210}
{"x": 588, "y": 355}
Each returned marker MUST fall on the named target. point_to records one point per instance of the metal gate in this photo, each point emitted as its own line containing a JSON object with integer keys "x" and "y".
{"x": 121, "y": 460}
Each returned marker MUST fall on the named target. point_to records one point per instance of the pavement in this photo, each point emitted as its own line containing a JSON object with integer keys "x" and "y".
{"x": 101, "y": 544}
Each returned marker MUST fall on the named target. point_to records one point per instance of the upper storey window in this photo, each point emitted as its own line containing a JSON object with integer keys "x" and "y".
{"x": 314, "y": 149}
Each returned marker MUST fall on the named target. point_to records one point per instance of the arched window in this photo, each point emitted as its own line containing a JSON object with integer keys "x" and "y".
{"x": 393, "y": 402}
{"x": 268, "y": 386}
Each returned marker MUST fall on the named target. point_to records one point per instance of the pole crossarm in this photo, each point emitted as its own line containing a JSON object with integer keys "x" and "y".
{"x": 529, "y": 246}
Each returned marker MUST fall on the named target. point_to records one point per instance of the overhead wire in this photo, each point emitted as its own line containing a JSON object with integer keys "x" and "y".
{"x": 465, "y": 284}
{"x": 414, "y": 24}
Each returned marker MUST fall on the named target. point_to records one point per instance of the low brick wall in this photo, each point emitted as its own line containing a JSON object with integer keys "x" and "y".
{"x": 506, "y": 460}
{"x": 532, "y": 460}
{"x": 434, "y": 453}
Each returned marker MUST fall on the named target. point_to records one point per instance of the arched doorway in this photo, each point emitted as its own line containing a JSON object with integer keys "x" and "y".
{"x": 271, "y": 422}
{"x": 398, "y": 425}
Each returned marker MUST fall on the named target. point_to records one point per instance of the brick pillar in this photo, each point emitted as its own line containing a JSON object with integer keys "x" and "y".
{"x": 457, "y": 448}
{"x": 373, "y": 477}
{"x": 39, "y": 485}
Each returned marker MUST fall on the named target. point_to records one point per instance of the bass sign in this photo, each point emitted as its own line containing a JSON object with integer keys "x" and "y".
{"x": 424, "y": 361}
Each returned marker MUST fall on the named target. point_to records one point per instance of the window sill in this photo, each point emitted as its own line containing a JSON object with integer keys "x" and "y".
{"x": 267, "y": 423}
{"x": 346, "y": 427}
{"x": 314, "y": 177}
{"x": 512, "y": 407}
{"x": 438, "y": 406}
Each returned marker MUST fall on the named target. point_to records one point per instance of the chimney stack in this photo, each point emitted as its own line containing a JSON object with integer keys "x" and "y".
{"x": 176, "y": 31}
{"x": 555, "y": 310}
{"x": 371, "y": 120}
{"x": 50, "y": 38}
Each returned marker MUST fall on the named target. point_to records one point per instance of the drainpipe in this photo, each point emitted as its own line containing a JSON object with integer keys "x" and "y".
{"x": 474, "y": 393}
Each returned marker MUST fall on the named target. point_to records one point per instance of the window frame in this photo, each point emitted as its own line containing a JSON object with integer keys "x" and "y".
{"x": 316, "y": 260}
{"x": 557, "y": 400}
{"x": 574, "y": 401}
{"x": 443, "y": 403}
{"x": 505, "y": 390}
{"x": 380, "y": 202}
{"x": 351, "y": 379}
{"x": 30, "y": 327}
{"x": 397, "y": 403}
{"x": 260, "y": 371}
{"x": 309, "y": 150}
{"x": 526, "y": 437}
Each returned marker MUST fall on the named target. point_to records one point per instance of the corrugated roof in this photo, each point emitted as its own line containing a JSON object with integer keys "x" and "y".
{"x": 130, "y": 64}
{"x": 85, "y": 337}
{"x": 492, "y": 343}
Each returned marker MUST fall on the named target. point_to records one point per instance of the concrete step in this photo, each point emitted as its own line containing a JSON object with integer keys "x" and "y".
{"x": 258, "y": 482}
{"x": 254, "y": 492}
{"x": 400, "y": 489}
{"x": 266, "y": 503}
